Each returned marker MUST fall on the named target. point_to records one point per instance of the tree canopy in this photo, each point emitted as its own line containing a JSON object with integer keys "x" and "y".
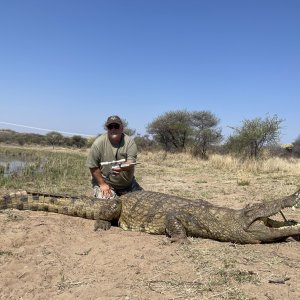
{"x": 176, "y": 130}
{"x": 253, "y": 135}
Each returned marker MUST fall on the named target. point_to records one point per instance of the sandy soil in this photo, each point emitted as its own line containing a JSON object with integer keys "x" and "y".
{"x": 50, "y": 256}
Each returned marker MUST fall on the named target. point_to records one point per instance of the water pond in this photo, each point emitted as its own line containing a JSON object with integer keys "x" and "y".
{"x": 11, "y": 164}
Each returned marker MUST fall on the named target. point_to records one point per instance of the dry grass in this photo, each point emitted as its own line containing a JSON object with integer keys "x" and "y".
{"x": 220, "y": 177}
{"x": 223, "y": 162}
{"x": 268, "y": 165}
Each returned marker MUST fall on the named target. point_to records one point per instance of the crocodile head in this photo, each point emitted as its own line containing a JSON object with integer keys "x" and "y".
{"x": 260, "y": 228}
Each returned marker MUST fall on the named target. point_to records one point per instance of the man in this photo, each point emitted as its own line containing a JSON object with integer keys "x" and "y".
{"x": 114, "y": 145}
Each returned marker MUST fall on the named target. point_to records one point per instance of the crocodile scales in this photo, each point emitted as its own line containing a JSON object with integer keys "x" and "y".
{"x": 178, "y": 218}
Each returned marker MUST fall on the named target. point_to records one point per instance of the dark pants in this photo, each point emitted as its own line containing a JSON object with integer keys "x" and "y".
{"x": 134, "y": 186}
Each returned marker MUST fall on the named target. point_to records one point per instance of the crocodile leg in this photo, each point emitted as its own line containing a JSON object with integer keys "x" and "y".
{"x": 175, "y": 228}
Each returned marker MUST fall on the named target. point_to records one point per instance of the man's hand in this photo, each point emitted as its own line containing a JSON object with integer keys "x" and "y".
{"x": 123, "y": 167}
{"x": 105, "y": 190}
{"x": 116, "y": 170}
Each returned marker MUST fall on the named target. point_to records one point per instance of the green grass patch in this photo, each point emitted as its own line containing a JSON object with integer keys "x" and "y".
{"x": 48, "y": 171}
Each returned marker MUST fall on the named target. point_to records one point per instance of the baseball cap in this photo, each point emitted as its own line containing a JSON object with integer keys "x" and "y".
{"x": 113, "y": 120}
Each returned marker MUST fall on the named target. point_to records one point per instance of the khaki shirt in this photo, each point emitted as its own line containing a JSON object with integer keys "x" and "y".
{"x": 102, "y": 150}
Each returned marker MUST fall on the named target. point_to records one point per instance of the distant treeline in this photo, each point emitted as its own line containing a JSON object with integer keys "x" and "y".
{"x": 182, "y": 131}
{"x": 56, "y": 139}
{"x": 144, "y": 143}
{"x": 53, "y": 138}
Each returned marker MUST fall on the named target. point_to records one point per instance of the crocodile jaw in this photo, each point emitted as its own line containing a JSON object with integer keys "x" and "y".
{"x": 265, "y": 229}
{"x": 265, "y": 234}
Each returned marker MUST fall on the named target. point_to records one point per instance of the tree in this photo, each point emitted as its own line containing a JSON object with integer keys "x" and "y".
{"x": 171, "y": 130}
{"x": 296, "y": 147}
{"x": 176, "y": 130}
{"x": 90, "y": 141}
{"x": 78, "y": 141}
{"x": 255, "y": 134}
{"x": 206, "y": 134}
{"x": 143, "y": 142}
{"x": 34, "y": 138}
{"x": 54, "y": 138}
{"x": 8, "y": 136}
{"x": 129, "y": 131}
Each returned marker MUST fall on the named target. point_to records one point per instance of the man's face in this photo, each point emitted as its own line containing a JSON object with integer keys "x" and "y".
{"x": 115, "y": 131}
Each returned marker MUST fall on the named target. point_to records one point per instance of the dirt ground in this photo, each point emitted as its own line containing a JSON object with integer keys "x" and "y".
{"x": 49, "y": 256}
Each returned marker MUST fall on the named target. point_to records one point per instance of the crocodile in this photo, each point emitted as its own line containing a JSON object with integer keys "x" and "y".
{"x": 163, "y": 214}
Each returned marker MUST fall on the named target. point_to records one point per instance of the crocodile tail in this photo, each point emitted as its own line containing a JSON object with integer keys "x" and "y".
{"x": 66, "y": 205}
{"x": 12, "y": 200}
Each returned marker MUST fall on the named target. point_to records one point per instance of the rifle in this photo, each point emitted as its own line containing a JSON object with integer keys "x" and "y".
{"x": 113, "y": 162}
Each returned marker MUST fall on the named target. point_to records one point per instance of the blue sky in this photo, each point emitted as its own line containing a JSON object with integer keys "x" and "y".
{"x": 66, "y": 65}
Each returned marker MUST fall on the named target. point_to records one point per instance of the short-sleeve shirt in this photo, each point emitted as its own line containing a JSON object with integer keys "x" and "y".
{"x": 102, "y": 150}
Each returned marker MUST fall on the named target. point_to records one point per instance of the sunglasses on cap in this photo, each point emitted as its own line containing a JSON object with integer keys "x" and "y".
{"x": 111, "y": 126}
